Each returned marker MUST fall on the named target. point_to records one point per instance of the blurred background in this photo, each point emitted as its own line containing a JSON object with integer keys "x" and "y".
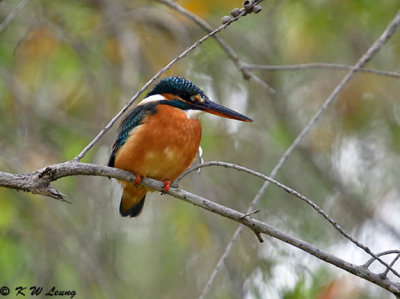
{"x": 67, "y": 67}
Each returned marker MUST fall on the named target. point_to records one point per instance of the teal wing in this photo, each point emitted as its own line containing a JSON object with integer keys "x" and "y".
{"x": 133, "y": 119}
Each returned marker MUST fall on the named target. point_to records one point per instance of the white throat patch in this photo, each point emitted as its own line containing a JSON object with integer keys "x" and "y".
{"x": 193, "y": 113}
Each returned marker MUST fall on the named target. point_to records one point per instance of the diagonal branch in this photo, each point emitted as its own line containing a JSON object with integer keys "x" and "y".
{"x": 247, "y": 74}
{"x": 376, "y": 46}
{"x": 13, "y": 14}
{"x": 323, "y": 66}
{"x": 155, "y": 77}
{"x": 298, "y": 195}
{"x": 43, "y": 178}
{"x": 371, "y": 260}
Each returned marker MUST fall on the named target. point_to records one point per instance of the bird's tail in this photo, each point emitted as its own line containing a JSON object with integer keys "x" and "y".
{"x": 132, "y": 200}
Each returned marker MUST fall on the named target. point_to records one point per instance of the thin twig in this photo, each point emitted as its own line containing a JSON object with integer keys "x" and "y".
{"x": 298, "y": 195}
{"x": 258, "y": 235}
{"x": 247, "y": 74}
{"x": 41, "y": 179}
{"x": 372, "y": 259}
{"x": 307, "y": 66}
{"x": 385, "y": 36}
{"x": 385, "y": 273}
{"x": 12, "y": 15}
{"x": 155, "y": 77}
{"x": 252, "y": 213}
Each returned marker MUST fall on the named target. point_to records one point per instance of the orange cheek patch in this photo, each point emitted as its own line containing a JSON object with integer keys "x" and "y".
{"x": 170, "y": 96}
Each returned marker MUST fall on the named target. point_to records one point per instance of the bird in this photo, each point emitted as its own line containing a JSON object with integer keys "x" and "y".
{"x": 160, "y": 137}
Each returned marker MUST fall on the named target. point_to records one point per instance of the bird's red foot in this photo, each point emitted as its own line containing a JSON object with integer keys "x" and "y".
{"x": 167, "y": 185}
{"x": 138, "y": 180}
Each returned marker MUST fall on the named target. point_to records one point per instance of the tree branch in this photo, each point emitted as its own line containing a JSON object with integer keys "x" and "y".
{"x": 371, "y": 260}
{"x": 307, "y": 66}
{"x": 13, "y": 14}
{"x": 376, "y": 46}
{"x": 39, "y": 182}
{"x": 298, "y": 195}
{"x": 247, "y": 74}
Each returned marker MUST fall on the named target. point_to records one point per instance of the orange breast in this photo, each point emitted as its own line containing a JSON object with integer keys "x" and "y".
{"x": 162, "y": 147}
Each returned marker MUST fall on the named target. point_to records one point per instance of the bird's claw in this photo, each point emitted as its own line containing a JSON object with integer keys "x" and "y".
{"x": 166, "y": 187}
{"x": 138, "y": 180}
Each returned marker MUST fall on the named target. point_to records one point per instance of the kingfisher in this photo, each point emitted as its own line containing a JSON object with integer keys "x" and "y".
{"x": 160, "y": 137}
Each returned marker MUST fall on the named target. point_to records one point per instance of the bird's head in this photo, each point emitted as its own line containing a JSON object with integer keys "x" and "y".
{"x": 183, "y": 94}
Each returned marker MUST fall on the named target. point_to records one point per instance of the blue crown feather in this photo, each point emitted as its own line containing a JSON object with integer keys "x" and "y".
{"x": 178, "y": 86}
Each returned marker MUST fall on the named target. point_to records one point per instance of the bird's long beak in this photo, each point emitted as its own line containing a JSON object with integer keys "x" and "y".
{"x": 214, "y": 108}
